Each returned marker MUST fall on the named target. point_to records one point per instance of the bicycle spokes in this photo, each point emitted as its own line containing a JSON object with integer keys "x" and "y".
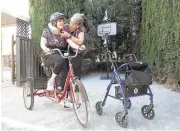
{"x": 81, "y": 103}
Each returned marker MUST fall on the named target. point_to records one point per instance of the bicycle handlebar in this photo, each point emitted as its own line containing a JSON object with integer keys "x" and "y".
{"x": 68, "y": 56}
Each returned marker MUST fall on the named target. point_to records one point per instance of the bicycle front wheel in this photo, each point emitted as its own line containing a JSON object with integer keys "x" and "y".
{"x": 81, "y": 103}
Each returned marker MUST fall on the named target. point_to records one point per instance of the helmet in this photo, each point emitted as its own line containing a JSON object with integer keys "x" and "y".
{"x": 55, "y": 16}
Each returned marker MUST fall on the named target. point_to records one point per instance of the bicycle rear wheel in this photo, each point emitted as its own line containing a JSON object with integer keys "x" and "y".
{"x": 81, "y": 103}
{"x": 28, "y": 95}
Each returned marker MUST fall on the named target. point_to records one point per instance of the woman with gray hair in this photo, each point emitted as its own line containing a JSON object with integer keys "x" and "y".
{"x": 76, "y": 34}
{"x": 50, "y": 40}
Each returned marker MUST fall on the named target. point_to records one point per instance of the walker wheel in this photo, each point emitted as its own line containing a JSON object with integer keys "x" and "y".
{"x": 121, "y": 119}
{"x": 99, "y": 108}
{"x": 147, "y": 113}
{"x": 128, "y": 104}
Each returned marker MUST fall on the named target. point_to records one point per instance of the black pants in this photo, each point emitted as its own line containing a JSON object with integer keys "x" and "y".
{"x": 59, "y": 67}
{"x": 77, "y": 63}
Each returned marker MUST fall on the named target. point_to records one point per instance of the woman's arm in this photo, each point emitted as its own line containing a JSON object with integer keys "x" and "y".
{"x": 43, "y": 45}
{"x": 53, "y": 29}
{"x": 75, "y": 46}
{"x": 72, "y": 44}
{"x": 79, "y": 41}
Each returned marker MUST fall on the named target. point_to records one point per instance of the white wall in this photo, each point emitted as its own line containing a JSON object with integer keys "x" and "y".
{"x": 16, "y": 6}
{"x": 7, "y": 33}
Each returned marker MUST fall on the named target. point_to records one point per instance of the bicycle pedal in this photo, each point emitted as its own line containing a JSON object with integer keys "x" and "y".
{"x": 41, "y": 95}
{"x": 78, "y": 105}
{"x": 67, "y": 107}
{"x": 49, "y": 91}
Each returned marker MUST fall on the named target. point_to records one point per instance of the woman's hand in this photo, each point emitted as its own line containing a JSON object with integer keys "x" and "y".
{"x": 65, "y": 34}
{"x": 54, "y": 29}
{"x": 82, "y": 47}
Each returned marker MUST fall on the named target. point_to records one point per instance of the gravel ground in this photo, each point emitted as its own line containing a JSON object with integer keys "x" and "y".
{"x": 48, "y": 115}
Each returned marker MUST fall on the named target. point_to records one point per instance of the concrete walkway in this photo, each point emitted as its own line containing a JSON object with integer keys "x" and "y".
{"x": 48, "y": 115}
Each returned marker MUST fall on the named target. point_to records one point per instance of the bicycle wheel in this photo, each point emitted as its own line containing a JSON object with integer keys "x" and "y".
{"x": 80, "y": 103}
{"x": 28, "y": 95}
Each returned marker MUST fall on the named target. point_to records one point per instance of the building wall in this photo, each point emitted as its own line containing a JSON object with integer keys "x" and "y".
{"x": 6, "y": 35}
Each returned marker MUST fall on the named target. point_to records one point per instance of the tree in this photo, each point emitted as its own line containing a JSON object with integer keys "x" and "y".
{"x": 160, "y": 39}
{"x": 124, "y": 12}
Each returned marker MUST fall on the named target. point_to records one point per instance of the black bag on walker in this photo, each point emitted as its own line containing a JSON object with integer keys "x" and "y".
{"x": 138, "y": 78}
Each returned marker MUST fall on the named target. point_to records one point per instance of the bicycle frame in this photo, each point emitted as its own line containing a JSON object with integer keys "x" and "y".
{"x": 78, "y": 95}
{"x": 68, "y": 83}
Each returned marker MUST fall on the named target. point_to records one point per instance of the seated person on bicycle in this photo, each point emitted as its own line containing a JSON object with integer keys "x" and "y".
{"x": 75, "y": 32}
{"x": 50, "y": 40}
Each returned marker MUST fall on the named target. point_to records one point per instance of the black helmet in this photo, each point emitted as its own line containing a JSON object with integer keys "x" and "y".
{"x": 55, "y": 16}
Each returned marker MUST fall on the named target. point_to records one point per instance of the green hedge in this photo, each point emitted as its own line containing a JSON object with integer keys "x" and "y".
{"x": 40, "y": 11}
{"x": 125, "y": 12}
{"x": 160, "y": 37}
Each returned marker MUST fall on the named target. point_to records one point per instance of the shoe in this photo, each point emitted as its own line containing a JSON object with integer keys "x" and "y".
{"x": 67, "y": 104}
{"x": 50, "y": 85}
{"x": 69, "y": 99}
{"x": 59, "y": 88}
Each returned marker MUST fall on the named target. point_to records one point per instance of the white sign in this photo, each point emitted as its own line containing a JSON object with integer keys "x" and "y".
{"x": 106, "y": 28}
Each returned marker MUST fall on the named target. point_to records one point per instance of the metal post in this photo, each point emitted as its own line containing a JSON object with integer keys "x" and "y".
{"x": 107, "y": 62}
{"x": 18, "y": 71}
{"x": 12, "y": 60}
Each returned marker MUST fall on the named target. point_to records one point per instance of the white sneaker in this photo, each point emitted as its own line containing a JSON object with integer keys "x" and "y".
{"x": 59, "y": 88}
{"x": 67, "y": 104}
{"x": 50, "y": 85}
